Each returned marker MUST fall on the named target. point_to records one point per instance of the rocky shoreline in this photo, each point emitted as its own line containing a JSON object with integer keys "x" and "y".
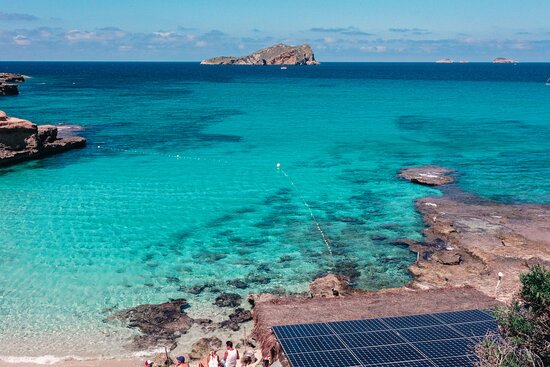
{"x": 22, "y": 140}
{"x": 468, "y": 241}
{"x": 7, "y": 86}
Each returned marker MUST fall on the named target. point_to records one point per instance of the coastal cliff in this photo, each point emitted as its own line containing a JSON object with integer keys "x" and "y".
{"x": 7, "y": 88}
{"x": 22, "y": 140}
{"x": 279, "y": 54}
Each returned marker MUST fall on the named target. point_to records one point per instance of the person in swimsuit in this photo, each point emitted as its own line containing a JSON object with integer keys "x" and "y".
{"x": 231, "y": 355}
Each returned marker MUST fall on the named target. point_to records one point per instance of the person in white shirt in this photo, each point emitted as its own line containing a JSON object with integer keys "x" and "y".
{"x": 231, "y": 355}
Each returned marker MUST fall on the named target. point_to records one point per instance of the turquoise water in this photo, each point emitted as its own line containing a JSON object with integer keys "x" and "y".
{"x": 178, "y": 186}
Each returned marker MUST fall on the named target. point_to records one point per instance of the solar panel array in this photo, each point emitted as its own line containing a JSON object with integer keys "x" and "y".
{"x": 435, "y": 340}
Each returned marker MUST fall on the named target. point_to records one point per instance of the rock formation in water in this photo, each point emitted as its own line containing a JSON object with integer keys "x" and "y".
{"x": 469, "y": 240}
{"x": 21, "y": 140}
{"x": 279, "y": 54}
{"x": 427, "y": 175}
{"x": 6, "y": 86}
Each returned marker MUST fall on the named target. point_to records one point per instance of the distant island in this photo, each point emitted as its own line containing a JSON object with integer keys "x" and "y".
{"x": 279, "y": 54}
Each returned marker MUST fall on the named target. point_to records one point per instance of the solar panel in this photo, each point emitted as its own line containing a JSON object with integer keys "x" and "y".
{"x": 343, "y": 358}
{"x": 446, "y": 348}
{"x": 405, "y": 322}
{"x": 312, "y": 344}
{"x": 435, "y": 340}
{"x": 429, "y": 333}
{"x": 293, "y": 331}
{"x": 370, "y": 339}
{"x": 477, "y": 328}
{"x": 373, "y": 356}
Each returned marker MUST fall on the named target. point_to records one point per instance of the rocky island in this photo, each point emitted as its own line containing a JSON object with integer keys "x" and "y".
{"x": 7, "y": 86}
{"x": 279, "y": 54}
{"x": 22, "y": 140}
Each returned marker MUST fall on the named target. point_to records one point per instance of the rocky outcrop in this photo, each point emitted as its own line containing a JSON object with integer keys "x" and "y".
{"x": 279, "y": 54}
{"x": 21, "y": 140}
{"x": 427, "y": 175}
{"x": 159, "y": 324}
{"x": 8, "y": 89}
{"x": 469, "y": 241}
{"x": 203, "y": 346}
{"x": 239, "y": 316}
{"x": 329, "y": 286}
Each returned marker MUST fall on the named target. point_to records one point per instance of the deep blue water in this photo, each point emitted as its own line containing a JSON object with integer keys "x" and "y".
{"x": 178, "y": 186}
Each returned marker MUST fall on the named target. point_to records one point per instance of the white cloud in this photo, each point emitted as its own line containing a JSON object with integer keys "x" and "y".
{"x": 21, "y": 40}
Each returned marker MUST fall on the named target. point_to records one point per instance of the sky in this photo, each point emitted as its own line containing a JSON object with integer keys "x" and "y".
{"x": 337, "y": 30}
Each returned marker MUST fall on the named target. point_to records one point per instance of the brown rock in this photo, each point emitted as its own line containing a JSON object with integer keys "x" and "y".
{"x": 427, "y": 175}
{"x": 447, "y": 258}
{"x": 162, "y": 359}
{"x": 21, "y": 140}
{"x": 204, "y": 346}
{"x": 329, "y": 286}
{"x": 47, "y": 134}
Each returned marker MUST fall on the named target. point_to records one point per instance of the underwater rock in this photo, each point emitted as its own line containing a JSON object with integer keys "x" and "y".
{"x": 197, "y": 289}
{"x": 228, "y": 300}
{"x": 239, "y": 316}
{"x": 427, "y": 175}
{"x": 159, "y": 324}
{"x": 237, "y": 283}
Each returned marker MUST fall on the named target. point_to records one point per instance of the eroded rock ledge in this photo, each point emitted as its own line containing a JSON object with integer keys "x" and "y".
{"x": 22, "y": 140}
{"x": 469, "y": 241}
{"x": 7, "y": 88}
{"x": 279, "y": 54}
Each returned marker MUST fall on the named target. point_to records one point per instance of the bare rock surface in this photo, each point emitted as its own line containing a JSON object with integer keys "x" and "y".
{"x": 22, "y": 140}
{"x": 329, "y": 286}
{"x": 469, "y": 242}
{"x": 279, "y": 54}
{"x": 427, "y": 175}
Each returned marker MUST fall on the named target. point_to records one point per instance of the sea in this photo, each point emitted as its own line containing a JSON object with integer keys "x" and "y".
{"x": 199, "y": 180}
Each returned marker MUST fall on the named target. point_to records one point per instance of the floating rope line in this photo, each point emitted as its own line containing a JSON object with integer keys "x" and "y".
{"x": 148, "y": 153}
{"x": 323, "y": 236}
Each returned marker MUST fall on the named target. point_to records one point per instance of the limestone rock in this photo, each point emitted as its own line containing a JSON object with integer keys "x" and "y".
{"x": 279, "y": 54}
{"x": 329, "y": 286}
{"x": 21, "y": 140}
{"x": 202, "y": 347}
{"x": 11, "y": 78}
{"x": 447, "y": 257}
{"x": 427, "y": 175}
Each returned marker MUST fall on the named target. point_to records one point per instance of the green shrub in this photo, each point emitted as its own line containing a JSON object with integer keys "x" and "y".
{"x": 524, "y": 326}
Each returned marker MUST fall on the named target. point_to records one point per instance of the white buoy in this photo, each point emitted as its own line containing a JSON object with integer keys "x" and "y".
{"x": 278, "y": 165}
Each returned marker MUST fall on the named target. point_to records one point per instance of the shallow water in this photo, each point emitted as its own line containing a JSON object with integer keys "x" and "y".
{"x": 178, "y": 186}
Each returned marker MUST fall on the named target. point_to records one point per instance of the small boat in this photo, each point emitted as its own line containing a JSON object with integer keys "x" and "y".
{"x": 283, "y": 67}
{"x": 548, "y": 82}
{"x": 445, "y": 61}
